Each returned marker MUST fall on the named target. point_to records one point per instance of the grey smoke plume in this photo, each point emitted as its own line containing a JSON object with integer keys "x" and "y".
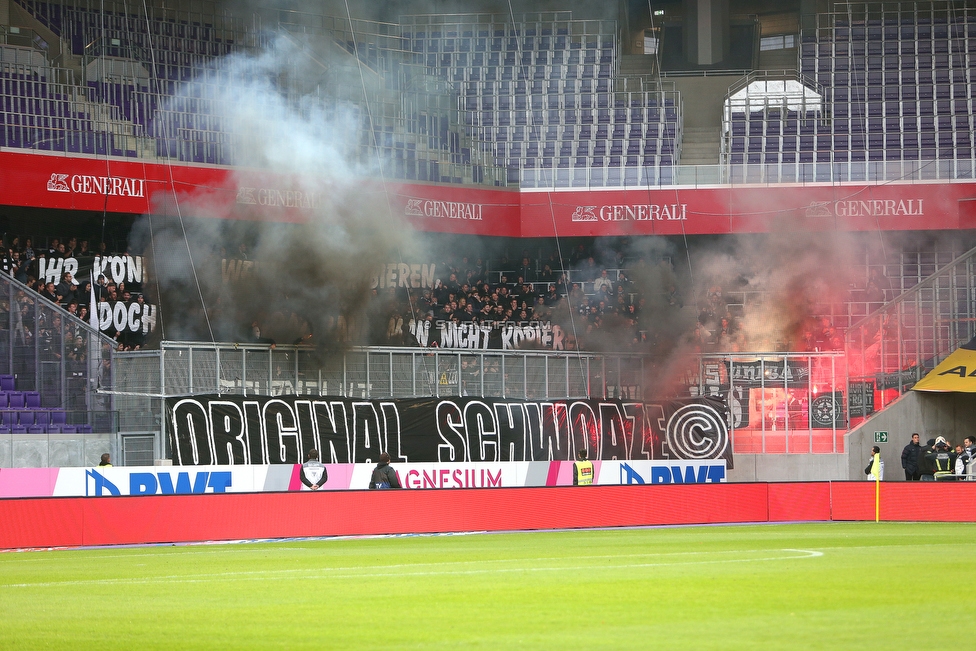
{"x": 295, "y": 111}
{"x": 312, "y": 277}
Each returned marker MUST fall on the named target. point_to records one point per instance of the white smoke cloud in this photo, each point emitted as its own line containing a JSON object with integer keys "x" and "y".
{"x": 289, "y": 130}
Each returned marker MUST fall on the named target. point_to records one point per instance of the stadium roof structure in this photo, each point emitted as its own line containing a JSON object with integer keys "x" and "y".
{"x": 956, "y": 373}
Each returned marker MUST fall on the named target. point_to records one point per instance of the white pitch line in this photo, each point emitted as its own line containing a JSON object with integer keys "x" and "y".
{"x": 264, "y": 553}
{"x": 360, "y": 572}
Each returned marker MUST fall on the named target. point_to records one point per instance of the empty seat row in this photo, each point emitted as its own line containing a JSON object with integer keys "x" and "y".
{"x": 46, "y": 429}
{"x": 528, "y": 58}
{"x": 619, "y": 176}
{"x": 577, "y": 133}
{"x": 561, "y": 117}
{"x": 906, "y": 96}
{"x": 20, "y": 399}
{"x": 637, "y": 109}
{"x": 845, "y": 156}
{"x": 11, "y": 417}
{"x": 455, "y": 73}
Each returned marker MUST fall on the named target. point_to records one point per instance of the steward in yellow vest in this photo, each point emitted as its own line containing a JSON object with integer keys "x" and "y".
{"x": 582, "y": 470}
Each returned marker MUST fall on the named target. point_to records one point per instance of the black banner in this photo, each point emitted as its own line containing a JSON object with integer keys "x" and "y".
{"x": 827, "y": 411}
{"x": 904, "y": 379}
{"x": 116, "y": 268}
{"x": 219, "y": 430}
{"x": 860, "y": 399}
{"x": 769, "y": 373}
{"x": 487, "y": 335}
{"x": 739, "y": 406}
{"x": 119, "y": 316}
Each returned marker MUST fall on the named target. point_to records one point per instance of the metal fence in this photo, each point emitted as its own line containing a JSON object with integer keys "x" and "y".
{"x": 143, "y": 378}
{"x": 67, "y": 364}
{"x": 186, "y": 368}
{"x": 892, "y": 348}
{"x": 782, "y": 403}
{"x": 795, "y": 403}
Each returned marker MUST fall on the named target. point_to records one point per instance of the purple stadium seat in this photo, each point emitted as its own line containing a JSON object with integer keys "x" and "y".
{"x": 36, "y": 429}
{"x": 25, "y": 418}
{"x": 57, "y": 417}
{"x": 16, "y": 400}
{"x": 9, "y": 418}
{"x": 69, "y": 429}
{"x": 7, "y": 383}
{"x": 18, "y": 429}
{"x": 85, "y": 429}
{"x": 33, "y": 399}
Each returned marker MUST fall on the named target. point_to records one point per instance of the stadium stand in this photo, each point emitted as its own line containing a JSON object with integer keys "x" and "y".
{"x": 534, "y": 101}
{"x": 887, "y": 87}
{"x": 536, "y": 98}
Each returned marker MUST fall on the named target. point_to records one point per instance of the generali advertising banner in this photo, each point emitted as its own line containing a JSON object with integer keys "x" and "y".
{"x": 746, "y": 209}
{"x": 224, "y": 430}
{"x": 118, "y": 185}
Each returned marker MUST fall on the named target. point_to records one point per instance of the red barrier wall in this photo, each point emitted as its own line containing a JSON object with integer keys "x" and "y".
{"x": 905, "y": 501}
{"x": 57, "y": 522}
{"x": 799, "y": 502}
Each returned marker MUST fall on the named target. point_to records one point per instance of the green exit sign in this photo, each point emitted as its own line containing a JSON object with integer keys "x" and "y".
{"x": 881, "y": 437}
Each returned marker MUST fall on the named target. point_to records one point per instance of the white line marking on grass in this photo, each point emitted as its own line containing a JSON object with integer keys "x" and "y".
{"x": 404, "y": 570}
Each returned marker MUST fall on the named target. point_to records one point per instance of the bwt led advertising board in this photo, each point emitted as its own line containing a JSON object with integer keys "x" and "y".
{"x": 173, "y": 480}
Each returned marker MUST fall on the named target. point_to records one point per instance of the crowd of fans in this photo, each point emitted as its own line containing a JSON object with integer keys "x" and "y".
{"x": 22, "y": 259}
{"x": 596, "y": 307}
{"x": 601, "y": 301}
{"x": 624, "y": 305}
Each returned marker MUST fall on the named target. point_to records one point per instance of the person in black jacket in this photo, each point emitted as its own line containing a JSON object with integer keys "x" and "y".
{"x": 383, "y": 475}
{"x": 926, "y": 461}
{"x": 909, "y": 459}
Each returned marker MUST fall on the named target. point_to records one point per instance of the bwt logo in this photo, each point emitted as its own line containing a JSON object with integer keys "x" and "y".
{"x": 689, "y": 474}
{"x": 161, "y": 483}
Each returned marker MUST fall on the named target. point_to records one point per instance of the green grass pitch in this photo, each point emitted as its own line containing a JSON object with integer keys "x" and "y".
{"x": 797, "y": 586}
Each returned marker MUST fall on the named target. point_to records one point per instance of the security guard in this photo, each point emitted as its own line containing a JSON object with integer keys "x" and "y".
{"x": 945, "y": 460}
{"x": 313, "y": 472}
{"x": 582, "y": 470}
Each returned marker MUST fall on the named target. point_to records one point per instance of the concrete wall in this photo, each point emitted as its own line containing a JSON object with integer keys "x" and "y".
{"x": 54, "y": 450}
{"x": 952, "y": 415}
{"x": 788, "y": 467}
{"x": 703, "y": 98}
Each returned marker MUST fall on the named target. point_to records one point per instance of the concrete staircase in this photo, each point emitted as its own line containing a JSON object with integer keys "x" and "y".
{"x": 635, "y": 70}
{"x": 700, "y": 146}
